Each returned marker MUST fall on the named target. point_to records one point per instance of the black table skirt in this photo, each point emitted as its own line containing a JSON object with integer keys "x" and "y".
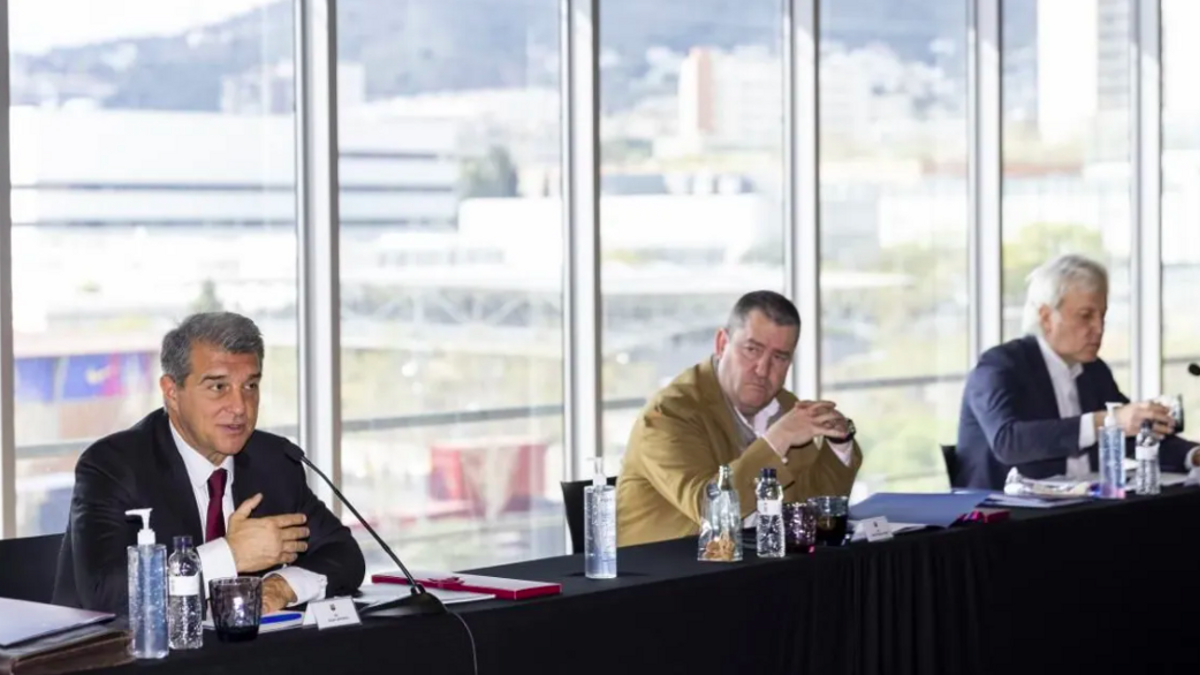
{"x": 1105, "y": 587}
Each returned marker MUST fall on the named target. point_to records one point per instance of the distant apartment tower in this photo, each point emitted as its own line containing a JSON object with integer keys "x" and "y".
{"x": 1084, "y": 68}
{"x": 730, "y": 100}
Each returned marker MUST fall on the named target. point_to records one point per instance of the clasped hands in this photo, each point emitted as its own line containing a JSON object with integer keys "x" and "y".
{"x": 805, "y": 421}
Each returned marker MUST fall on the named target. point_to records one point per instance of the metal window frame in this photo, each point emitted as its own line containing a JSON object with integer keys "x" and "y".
{"x": 582, "y": 323}
{"x": 8, "y": 449}
{"x": 985, "y": 176}
{"x": 319, "y": 295}
{"x": 802, "y": 196}
{"x": 1145, "y": 247}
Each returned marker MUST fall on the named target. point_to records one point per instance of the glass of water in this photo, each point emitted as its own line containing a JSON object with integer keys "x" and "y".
{"x": 1173, "y": 403}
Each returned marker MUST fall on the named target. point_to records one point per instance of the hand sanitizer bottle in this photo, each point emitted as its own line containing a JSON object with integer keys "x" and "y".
{"x": 147, "y": 569}
{"x": 1112, "y": 456}
{"x": 600, "y": 526}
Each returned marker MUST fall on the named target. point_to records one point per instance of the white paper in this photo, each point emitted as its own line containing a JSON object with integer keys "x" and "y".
{"x": 876, "y": 529}
{"x": 1002, "y": 500}
{"x": 333, "y": 613}
{"x": 893, "y": 528}
{"x": 1166, "y": 479}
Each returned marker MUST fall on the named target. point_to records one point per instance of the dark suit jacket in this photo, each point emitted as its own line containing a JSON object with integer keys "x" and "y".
{"x": 1010, "y": 418}
{"x": 141, "y": 468}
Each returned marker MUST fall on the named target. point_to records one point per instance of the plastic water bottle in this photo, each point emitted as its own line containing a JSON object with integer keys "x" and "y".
{"x": 600, "y": 526}
{"x": 185, "y": 615}
{"x": 147, "y": 570}
{"x": 721, "y": 528}
{"x": 1148, "y": 479}
{"x": 1112, "y": 456}
{"x": 770, "y": 515}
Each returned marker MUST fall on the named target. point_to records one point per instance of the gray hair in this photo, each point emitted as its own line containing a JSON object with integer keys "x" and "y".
{"x": 1046, "y": 286}
{"x": 229, "y": 332}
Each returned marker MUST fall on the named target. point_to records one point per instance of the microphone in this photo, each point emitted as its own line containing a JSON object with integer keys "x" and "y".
{"x": 1194, "y": 369}
{"x": 420, "y": 601}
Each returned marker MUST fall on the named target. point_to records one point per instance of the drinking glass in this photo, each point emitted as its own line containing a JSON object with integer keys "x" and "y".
{"x": 236, "y": 607}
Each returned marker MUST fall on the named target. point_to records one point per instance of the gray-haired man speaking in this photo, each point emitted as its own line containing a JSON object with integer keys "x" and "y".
{"x": 199, "y": 463}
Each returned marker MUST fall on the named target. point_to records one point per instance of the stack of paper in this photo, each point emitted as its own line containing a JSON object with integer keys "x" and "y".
{"x": 893, "y": 528}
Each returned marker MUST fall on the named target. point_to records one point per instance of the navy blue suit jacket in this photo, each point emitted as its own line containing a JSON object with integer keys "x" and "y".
{"x": 1010, "y": 418}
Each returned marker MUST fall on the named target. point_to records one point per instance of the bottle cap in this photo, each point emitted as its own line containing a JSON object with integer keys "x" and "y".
{"x": 145, "y": 535}
{"x": 768, "y": 472}
{"x": 1147, "y": 425}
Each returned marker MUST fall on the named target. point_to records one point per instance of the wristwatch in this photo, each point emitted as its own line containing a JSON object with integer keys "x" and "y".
{"x": 850, "y": 431}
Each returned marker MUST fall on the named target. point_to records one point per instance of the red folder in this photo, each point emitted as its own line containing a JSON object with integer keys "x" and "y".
{"x": 505, "y": 589}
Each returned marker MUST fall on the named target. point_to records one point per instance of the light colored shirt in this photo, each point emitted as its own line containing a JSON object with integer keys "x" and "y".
{"x": 216, "y": 558}
{"x": 762, "y": 422}
{"x": 1066, "y": 394}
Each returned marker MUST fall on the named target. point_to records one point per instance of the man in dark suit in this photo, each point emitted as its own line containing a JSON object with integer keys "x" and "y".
{"x": 192, "y": 462}
{"x": 1037, "y": 403}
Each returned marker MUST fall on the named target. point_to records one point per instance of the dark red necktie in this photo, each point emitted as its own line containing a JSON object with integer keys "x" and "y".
{"x": 215, "y": 527}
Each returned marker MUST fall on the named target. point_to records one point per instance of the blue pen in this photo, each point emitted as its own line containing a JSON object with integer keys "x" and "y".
{"x": 281, "y": 617}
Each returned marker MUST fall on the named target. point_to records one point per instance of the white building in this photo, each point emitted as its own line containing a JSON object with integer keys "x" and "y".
{"x": 729, "y": 100}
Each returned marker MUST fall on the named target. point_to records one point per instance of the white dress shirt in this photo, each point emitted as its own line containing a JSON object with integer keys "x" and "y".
{"x": 762, "y": 421}
{"x": 216, "y": 558}
{"x": 760, "y": 424}
{"x": 1066, "y": 393}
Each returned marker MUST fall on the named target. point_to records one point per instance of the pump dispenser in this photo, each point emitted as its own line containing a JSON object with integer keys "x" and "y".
{"x": 147, "y": 571}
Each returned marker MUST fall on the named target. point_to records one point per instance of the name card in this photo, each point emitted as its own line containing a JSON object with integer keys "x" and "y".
{"x": 876, "y": 529}
{"x": 333, "y": 613}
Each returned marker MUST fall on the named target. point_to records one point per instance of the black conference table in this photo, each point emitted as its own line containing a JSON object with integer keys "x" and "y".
{"x": 1100, "y": 587}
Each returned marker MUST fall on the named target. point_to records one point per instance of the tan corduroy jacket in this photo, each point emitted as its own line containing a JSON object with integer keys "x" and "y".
{"x": 680, "y": 439}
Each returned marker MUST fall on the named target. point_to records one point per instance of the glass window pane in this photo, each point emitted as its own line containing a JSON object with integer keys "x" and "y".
{"x": 152, "y": 170}
{"x": 1066, "y": 151}
{"x": 692, "y": 180}
{"x": 1181, "y": 203}
{"x": 451, "y": 268}
{"x": 894, "y": 230}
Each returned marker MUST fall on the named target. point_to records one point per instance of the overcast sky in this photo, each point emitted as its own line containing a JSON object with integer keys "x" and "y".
{"x": 37, "y": 25}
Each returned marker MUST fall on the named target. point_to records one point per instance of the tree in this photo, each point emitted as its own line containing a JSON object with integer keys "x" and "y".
{"x": 1038, "y": 242}
{"x": 493, "y": 175}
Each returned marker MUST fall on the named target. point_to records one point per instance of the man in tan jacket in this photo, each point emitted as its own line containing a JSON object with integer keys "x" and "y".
{"x": 732, "y": 409}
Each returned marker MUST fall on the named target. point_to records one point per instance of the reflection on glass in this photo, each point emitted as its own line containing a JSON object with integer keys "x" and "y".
{"x": 692, "y": 173}
{"x": 1181, "y": 204}
{"x": 451, "y": 267}
{"x": 1066, "y": 150}
{"x": 894, "y": 230}
{"x": 152, "y": 176}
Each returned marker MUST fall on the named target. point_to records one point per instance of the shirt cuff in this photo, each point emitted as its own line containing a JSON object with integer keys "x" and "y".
{"x": 1087, "y": 431}
{"x": 782, "y": 457}
{"x": 216, "y": 560}
{"x": 844, "y": 451}
{"x": 1188, "y": 464}
{"x": 306, "y": 584}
